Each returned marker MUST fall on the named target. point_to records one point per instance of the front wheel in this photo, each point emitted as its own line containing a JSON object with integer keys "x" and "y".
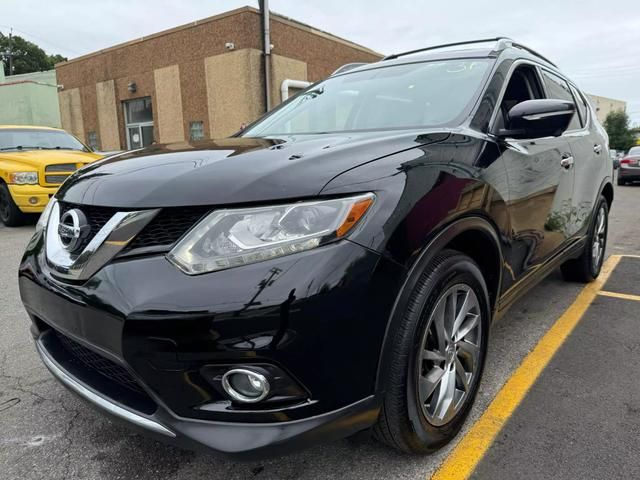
{"x": 10, "y": 214}
{"x": 438, "y": 359}
{"x": 587, "y": 266}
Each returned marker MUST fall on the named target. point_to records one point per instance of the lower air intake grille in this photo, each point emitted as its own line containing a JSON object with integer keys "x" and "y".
{"x": 90, "y": 359}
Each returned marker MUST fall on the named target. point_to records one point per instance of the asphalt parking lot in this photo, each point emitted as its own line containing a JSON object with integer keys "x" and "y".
{"x": 580, "y": 419}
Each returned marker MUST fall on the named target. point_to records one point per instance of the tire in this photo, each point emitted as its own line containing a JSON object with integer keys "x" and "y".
{"x": 10, "y": 214}
{"x": 621, "y": 182}
{"x": 405, "y": 422}
{"x": 586, "y": 267}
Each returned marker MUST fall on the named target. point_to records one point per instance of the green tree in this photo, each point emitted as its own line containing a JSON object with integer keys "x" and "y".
{"x": 620, "y": 135}
{"x": 27, "y": 56}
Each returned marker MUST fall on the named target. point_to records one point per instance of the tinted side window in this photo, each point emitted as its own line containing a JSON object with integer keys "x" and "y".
{"x": 582, "y": 106}
{"x": 558, "y": 89}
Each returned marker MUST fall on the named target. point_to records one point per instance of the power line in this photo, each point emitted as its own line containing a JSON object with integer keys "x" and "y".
{"x": 40, "y": 39}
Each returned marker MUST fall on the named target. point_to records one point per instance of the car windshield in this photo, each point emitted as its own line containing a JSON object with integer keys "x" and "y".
{"x": 37, "y": 139}
{"x": 425, "y": 94}
{"x": 634, "y": 151}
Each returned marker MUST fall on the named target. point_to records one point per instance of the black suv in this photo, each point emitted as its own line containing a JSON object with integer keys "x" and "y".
{"x": 335, "y": 266}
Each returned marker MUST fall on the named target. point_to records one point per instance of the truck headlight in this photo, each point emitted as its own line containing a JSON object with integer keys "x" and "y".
{"x": 235, "y": 237}
{"x": 23, "y": 178}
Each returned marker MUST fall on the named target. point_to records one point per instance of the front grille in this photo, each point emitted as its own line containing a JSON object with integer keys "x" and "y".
{"x": 98, "y": 363}
{"x": 61, "y": 167}
{"x": 163, "y": 231}
{"x": 168, "y": 226}
{"x": 96, "y": 216}
{"x": 56, "y": 179}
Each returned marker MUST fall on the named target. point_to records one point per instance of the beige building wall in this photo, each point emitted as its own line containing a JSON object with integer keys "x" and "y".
{"x": 234, "y": 90}
{"x": 168, "y": 102}
{"x": 283, "y": 68}
{"x": 107, "y": 115}
{"x": 71, "y": 112}
{"x": 603, "y": 106}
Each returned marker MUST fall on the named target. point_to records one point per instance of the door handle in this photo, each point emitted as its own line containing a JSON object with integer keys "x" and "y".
{"x": 597, "y": 148}
{"x": 566, "y": 162}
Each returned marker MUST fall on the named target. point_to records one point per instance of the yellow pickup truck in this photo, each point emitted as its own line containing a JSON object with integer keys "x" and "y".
{"x": 34, "y": 161}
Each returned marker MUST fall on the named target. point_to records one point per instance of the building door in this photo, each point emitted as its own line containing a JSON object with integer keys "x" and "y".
{"x": 139, "y": 119}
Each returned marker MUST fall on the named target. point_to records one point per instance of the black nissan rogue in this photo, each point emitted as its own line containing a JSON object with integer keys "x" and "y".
{"x": 336, "y": 266}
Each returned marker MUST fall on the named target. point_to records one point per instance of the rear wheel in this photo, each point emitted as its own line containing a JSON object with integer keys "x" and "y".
{"x": 440, "y": 348}
{"x": 621, "y": 182}
{"x": 10, "y": 214}
{"x": 587, "y": 266}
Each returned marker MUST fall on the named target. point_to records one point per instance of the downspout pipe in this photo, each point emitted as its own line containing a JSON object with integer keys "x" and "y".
{"x": 289, "y": 83}
{"x": 266, "y": 51}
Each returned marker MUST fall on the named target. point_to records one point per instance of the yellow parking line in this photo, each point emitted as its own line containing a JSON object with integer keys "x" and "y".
{"x": 624, "y": 296}
{"x": 464, "y": 458}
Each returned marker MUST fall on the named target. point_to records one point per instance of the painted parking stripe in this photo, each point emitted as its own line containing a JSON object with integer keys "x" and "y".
{"x": 464, "y": 458}
{"x": 624, "y": 296}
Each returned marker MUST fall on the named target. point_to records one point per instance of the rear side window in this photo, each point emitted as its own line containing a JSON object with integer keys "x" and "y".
{"x": 582, "y": 106}
{"x": 558, "y": 89}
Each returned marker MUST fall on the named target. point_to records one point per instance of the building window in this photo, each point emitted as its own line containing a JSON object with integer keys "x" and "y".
{"x": 138, "y": 116}
{"x": 196, "y": 130}
{"x": 92, "y": 140}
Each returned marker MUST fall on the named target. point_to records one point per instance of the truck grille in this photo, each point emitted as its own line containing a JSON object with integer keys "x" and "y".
{"x": 56, "y": 179}
{"x": 60, "y": 172}
{"x": 99, "y": 364}
{"x": 60, "y": 167}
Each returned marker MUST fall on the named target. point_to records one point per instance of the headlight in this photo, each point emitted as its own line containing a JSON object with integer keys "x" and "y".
{"x": 41, "y": 225}
{"x": 23, "y": 178}
{"x": 230, "y": 238}
{"x": 44, "y": 216}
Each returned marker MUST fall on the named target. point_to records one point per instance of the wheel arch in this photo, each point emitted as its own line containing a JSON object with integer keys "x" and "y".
{"x": 476, "y": 237}
{"x": 606, "y": 191}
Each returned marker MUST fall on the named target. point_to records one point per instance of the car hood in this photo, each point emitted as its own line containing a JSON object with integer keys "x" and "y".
{"x": 232, "y": 170}
{"x": 38, "y": 158}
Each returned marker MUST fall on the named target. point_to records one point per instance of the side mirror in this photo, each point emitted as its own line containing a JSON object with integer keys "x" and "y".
{"x": 538, "y": 118}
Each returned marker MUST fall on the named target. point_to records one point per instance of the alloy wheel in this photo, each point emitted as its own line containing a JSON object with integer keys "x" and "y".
{"x": 450, "y": 354}
{"x": 599, "y": 238}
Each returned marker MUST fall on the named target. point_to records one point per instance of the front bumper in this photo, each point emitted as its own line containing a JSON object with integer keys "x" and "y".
{"x": 31, "y": 198}
{"x": 318, "y": 315}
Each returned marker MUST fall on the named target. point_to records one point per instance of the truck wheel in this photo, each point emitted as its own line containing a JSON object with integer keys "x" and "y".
{"x": 10, "y": 214}
{"x": 439, "y": 353}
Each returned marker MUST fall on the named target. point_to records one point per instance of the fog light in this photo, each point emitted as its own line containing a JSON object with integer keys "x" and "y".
{"x": 33, "y": 200}
{"x": 245, "y": 386}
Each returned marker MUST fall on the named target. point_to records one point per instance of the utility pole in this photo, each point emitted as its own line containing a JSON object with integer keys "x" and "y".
{"x": 9, "y": 53}
{"x": 266, "y": 43}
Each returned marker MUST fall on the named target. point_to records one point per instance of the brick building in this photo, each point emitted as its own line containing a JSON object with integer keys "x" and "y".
{"x": 201, "y": 80}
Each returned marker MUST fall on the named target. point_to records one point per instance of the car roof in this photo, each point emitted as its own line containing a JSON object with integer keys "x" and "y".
{"x": 505, "y": 49}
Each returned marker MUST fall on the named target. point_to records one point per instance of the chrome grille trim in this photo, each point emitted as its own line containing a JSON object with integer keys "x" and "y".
{"x": 106, "y": 244}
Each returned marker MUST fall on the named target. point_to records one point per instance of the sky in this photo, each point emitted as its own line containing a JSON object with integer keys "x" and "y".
{"x": 595, "y": 43}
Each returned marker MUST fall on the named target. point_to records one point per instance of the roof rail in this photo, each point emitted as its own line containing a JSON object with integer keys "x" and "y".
{"x": 346, "y": 67}
{"x": 532, "y": 51}
{"x": 500, "y": 44}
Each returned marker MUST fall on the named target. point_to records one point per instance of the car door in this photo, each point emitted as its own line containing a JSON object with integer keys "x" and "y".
{"x": 589, "y": 146}
{"x": 586, "y": 149}
{"x": 540, "y": 178}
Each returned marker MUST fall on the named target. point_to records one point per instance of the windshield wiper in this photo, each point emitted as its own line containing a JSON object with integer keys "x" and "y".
{"x": 22, "y": 147}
